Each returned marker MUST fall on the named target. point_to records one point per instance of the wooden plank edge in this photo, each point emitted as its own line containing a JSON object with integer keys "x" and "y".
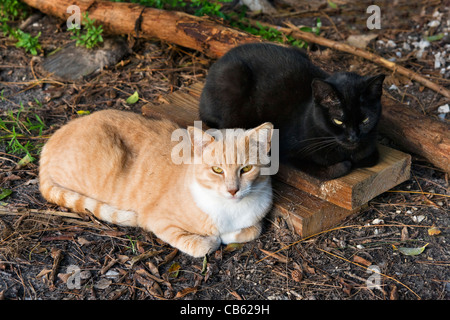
{"x": 305, "y": 214}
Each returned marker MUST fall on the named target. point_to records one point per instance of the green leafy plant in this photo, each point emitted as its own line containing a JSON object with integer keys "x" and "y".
{"x": 11, "y": 10}
{"x": 92, "y": 34}
{"x": 202, "y": 7}
{"x": 272, "y": 34}
{"x": 161, "y": 4}
{"x": 26, "y": 41}
{"x": 205, "y": 7}
{"x": 15, "y": 130}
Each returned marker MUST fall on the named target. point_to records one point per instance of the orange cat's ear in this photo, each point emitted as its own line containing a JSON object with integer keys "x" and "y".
{"x": 262, "y": 135}
{"x": 199, "y": 139}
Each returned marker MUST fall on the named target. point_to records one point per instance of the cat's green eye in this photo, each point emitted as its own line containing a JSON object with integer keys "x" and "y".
{"x": 246, "y": 168}
{"x": 338, "y": 122}
{"x": 365, "y": 121}
{"x": 217, "y": 170}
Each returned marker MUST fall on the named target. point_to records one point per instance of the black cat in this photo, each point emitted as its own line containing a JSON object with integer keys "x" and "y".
{"x": 327, "y": 122}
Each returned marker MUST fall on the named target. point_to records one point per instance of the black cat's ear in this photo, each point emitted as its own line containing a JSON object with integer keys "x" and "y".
{"x": 325, "y": 94}
{"x": 374, "y": 86}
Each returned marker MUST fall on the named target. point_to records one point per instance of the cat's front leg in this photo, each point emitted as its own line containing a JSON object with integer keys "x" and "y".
{"x": 323, "y": 172}
{"x": 367, "y": 161}
{"x": 242, "y": 235}
{"x": 193, "y": 244}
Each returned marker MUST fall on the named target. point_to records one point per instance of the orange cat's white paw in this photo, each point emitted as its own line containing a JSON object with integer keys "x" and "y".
{"x": 205, "y": 245}
{"x": 242, "y": 235}
{"x": 230, "y": 237}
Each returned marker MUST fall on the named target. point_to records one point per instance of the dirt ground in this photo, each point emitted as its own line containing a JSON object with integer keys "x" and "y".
{"x": 43, "y": 255}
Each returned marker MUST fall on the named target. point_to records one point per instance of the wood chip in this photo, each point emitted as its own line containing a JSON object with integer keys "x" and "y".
{"x": 361, "y": 260}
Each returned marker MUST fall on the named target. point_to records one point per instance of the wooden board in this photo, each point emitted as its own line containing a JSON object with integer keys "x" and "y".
{"x": 308, "y": 204}
{"x": 304, "y": 213}
{"x": 359, "y": 186}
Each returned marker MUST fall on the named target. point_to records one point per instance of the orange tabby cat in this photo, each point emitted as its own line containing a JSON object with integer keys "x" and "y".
{"x": 118, "y": 166}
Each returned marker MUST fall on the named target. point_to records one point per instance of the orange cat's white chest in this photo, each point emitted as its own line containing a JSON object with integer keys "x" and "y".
{"x": 230, "y": 215}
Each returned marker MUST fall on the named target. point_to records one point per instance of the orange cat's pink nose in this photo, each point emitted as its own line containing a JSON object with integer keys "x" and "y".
{"x": 233, "y": 191}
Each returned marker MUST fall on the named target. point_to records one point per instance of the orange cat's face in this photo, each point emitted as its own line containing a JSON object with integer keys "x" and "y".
{"x": 231, "y": 161}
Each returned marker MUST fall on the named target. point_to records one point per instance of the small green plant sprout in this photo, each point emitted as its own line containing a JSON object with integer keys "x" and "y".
{"x": 92, "y": 34}
{"x": 26, "y": 41}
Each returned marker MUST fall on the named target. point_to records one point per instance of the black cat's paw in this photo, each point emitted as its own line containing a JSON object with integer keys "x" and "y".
{"x": 322, "y": 172}
{"x": 368, "y": 161}
{"x": 341, "y": 169}
{"x": 335, "y": 171}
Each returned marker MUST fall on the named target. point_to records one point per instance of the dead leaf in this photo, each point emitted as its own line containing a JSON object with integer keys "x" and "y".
{"x": 142, "y": 280}
{"x": 174, "y": 270}
{"x": 410, "y": 251}
{"x": 153, "y": 269}
{"x": 155, "y": 290}
{"x": 103, "y": 284}
{"x": 362, "y": 261}
{"x": 405, "y": 234}
{"x": 122, "y": 258}
{"x": 277, "y": 256}
{"x": 236, "y": 295}
{"x": 433, "y": 231}
{"x": 297, "y": 275}
{"x": 144, "y": 256}
{"x": 82, "y": 241}
{"x": 64, "y": 276}
{"x": 346, "y": 287}
{"x": 169, "y": 257}
{"x": 43, "y": 273}
{"x": 310, "y": 270}
{"x": 231, "y": 247}
{"x": 24, "y": 161}
{"x": 361, "y": 40}
{"x": 394, "y": 293}
{"x": 218, "y": 255}
{"x": 184, "y": 292}
{"x": 140, "y": 246}
{"x": 205, "y": 265}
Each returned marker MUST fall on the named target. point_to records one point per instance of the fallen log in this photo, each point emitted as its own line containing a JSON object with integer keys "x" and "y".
{"x": 403, "y": 126}
{"x": 417, "y": 133}
{"x": 176, "y": 27}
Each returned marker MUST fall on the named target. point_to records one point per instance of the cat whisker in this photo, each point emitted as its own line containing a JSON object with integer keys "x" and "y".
{"x": 317, "y": 138}
{"x": 313, "y": 148}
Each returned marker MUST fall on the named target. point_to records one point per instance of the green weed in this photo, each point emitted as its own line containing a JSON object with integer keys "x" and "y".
{"x": 205, "y": 7}
{"x": 18, "y": 134}
{"x": 273, "y": 34}
{"x": 26, "y": 41}
{"x": 92, "y": 35}
{"x": 12, "y": 10}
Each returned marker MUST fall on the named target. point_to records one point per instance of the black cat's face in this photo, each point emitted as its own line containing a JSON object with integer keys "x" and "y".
{"x": 348, "y": 107}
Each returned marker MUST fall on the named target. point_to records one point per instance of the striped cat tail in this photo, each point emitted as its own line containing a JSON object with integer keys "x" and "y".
{"x": 64, "y": 197}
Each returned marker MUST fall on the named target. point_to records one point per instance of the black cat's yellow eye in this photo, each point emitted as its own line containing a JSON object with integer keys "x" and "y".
{"x": 338, "y": 122}
{"x": 217, "y": 170}
{"x": 246, "y": 168}
{"x": 365, "y": 121}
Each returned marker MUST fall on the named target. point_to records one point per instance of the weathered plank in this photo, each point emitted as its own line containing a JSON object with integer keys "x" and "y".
{"x": 360, "y": 185}
{"x": 304, "y": 213}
